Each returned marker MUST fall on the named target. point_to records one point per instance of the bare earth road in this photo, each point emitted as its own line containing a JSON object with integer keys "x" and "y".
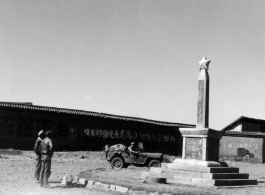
{"x": 17, "y": 170}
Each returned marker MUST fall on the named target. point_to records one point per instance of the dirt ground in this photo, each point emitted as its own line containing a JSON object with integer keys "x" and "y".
{"x": 17, "y": 170}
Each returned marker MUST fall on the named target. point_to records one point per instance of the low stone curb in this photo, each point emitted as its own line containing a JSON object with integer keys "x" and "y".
{"x": 116, "y": 188}
{"x": 70, "y": 180}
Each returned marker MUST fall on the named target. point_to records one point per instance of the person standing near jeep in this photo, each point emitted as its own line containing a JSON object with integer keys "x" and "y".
{"x": 41, "y": 136}
{"x": 46, "y": 148}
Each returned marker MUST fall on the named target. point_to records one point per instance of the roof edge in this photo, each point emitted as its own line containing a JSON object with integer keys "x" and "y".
{"x": 90, "y": 113}
{"x": 239, "y": 119}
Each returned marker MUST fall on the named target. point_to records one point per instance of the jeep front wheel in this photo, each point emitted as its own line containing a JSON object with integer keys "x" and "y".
{"x": 154, "y": 163}
{"x": 117, "y": 163}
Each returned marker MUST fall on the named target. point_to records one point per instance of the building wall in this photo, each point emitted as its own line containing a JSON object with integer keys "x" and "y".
{"x": 19, "y": 128}
{"x": 242, "y": 146}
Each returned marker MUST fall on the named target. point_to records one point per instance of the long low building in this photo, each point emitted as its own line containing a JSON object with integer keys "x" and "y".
{"x": 84, "y": 130}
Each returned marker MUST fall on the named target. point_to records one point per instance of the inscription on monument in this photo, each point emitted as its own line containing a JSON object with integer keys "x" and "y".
{"x": 200, "y": 106}
{"x": 194, "y": 148}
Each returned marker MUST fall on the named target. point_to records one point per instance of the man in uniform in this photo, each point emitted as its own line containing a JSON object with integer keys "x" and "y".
{"x": 106, "y": 150}
{"x": 46, "y": 149}
{"x": 41, "y": 136}
{"x": 133, "y": 150}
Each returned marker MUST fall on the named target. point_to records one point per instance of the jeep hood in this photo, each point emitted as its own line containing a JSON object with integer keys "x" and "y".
{"x": 152, "y": 155}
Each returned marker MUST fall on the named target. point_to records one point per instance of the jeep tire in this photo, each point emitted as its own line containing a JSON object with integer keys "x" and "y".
{"x": 117, "y": 163}
{"x": 154, "y": 163}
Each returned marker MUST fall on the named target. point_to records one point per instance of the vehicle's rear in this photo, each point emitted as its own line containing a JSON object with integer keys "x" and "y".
{"x": 115, "y": 150}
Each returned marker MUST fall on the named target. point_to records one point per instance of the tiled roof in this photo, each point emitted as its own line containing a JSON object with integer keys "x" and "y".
{"x": 243, "y": 118}
{"x": 89, "y": 113}
{"x": 244, "y": 134}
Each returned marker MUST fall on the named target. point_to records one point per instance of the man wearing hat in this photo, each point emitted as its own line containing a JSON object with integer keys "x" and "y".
{"x": 133, "y": 150}
{"x": 46, "y": 149}
{"x": 41, "y": 136}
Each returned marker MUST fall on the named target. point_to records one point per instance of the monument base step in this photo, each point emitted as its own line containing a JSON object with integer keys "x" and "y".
{"x": 189, "y": 174}
{"x": 192, "y": 174}
{"x": 201, "y": 163}
{"x": 194, "y": 168}
{"x": 208, "y": 176}
{"x": 215, "y": 182}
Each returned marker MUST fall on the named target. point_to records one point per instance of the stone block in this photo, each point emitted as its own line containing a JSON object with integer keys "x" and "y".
{"x": 75, "y": 180}
{"x": 67, "y": 180}
{"x": 153, "y": 193}
{"x": 164, "y": 165}
{"x": 156, "y": 170}
{"x": 98, "y": 185}
{"x": 63, "y": 182}
{"x": 82, "y": 182}
{"x": 102, "y": 186}
{"x": 121, "y": 189}
{"x": 90, "y": 183}
{"x": 181, "y": 178}
{"x": 112, "y": 187}
{"x": 105, "y": 187}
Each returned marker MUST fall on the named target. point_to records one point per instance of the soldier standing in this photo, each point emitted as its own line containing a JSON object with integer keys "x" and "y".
{"x": 46, "y": 149}
{"x": 41, "y": 136}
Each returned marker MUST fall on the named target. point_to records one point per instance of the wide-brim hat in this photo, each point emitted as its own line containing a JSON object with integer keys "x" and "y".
{"x": 40, "y": 133}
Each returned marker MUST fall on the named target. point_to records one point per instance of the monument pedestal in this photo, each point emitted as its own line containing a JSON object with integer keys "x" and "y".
{"x": 201, "y": 144}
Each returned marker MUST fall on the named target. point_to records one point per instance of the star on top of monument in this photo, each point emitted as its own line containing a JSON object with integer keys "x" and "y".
{"x": 204, "y": 63}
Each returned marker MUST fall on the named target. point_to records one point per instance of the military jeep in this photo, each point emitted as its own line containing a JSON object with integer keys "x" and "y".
{"x": 120, "y": 157}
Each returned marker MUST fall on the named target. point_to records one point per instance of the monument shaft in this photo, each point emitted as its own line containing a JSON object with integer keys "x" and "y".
{"x": 203, "y": 99}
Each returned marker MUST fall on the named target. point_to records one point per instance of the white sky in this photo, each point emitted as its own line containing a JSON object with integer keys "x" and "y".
{"x": 135, "y": 58}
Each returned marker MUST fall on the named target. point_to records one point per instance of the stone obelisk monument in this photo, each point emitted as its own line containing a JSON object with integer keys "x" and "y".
{"x": 201, "y": 144}
{"x": 203, "y": 94}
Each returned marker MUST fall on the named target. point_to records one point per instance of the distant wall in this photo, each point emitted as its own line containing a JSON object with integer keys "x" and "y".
{"x": 242, "y": 146}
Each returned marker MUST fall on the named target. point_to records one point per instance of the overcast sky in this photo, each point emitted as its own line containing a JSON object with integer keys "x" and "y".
{"x": 135, "y": 58}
